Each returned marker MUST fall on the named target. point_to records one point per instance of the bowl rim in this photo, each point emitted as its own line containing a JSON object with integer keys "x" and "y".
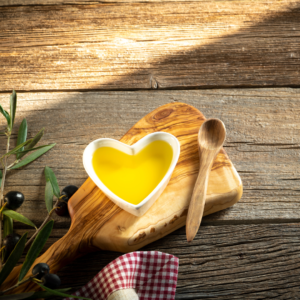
{"x": 89, "y": 167}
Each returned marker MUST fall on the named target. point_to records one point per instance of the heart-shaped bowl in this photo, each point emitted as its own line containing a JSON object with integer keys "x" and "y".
{"x": 145, "y": 204}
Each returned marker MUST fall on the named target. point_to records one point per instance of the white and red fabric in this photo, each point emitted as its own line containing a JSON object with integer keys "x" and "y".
{"x": 152, "y": 274}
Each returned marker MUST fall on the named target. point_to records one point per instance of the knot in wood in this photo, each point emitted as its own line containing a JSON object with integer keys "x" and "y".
{"x": 162, "y": 114}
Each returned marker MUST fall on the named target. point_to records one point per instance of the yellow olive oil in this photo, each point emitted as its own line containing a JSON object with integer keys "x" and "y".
{"x": 133, "y": 177}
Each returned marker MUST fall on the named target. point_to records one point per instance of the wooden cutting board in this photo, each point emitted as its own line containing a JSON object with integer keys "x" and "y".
{"x": 97, "y": 223}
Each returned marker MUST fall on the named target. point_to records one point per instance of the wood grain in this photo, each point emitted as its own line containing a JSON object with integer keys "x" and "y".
{"x": 154, "y": 45}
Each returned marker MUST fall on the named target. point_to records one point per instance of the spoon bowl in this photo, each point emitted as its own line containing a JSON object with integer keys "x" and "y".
{"x": 212, "y": 134}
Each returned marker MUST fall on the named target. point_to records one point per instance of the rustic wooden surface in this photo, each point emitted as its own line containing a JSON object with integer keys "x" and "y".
{"x": 138, "y": 45}
{"x": 250, "y": 251}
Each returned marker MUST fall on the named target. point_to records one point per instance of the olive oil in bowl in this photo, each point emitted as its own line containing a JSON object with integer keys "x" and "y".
{"x": 133, "y": 177}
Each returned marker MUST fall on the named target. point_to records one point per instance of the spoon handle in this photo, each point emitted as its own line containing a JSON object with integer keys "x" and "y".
{"x": 197, "y": 203}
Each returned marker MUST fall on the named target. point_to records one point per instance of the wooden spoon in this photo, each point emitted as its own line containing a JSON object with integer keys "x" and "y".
{"x": 211, "y": 137}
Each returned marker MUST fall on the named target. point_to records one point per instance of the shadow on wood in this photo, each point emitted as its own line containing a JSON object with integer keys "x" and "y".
{"x": 156, "y": 45}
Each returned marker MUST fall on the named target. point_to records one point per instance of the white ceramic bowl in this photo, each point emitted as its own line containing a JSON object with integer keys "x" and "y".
{"x": 143, "y": 206}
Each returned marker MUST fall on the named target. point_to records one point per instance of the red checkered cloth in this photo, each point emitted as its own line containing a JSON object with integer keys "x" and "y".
{"x": 153, "y": 274}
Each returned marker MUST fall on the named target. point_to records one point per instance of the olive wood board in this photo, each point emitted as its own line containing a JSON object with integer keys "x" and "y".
{"x": 97, "y": 223}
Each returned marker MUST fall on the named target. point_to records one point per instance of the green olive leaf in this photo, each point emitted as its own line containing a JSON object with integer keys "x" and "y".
{"x": 49, "y": 195}
{"x": 13, "y": 258}
{"x": 13, "y": 108}
{"x": 8, "y": 226}
{"x": 36, "y": 247}
{"x": 34, "y": 141}
{"x": 22, "y": 136}
{"x": 50, "y": 176}
{"x": 32, "y": 149}
{"x": 33, "y": 156}
{"x": 5, "y": 114}
{"x": 57, "y": 293}
{"x": 16, "y": 149}
{"x": 18, "y": 217}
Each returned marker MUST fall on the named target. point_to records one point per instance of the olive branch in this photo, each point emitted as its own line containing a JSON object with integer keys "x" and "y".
{"x": 26, "y": 152}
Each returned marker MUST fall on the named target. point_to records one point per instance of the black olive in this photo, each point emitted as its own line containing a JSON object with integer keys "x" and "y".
{"x": 51, "y": 281}
{"x": 62, "y": 209}
{"x": 14, "y": 200}
{"x": 69, "y": 191}
{"x": 39, "y": 270}
{"x": 10, "y": 242}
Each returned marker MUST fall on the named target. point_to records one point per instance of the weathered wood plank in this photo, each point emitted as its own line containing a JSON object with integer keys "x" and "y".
{"x": 149, "y": 46}
{"x": 263, "y": 141}
{"x": 69, "y": 2}
{"x": 223, "y": 262}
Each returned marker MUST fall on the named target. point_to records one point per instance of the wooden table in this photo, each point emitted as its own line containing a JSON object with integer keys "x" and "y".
{"x": 88, "y": 69}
